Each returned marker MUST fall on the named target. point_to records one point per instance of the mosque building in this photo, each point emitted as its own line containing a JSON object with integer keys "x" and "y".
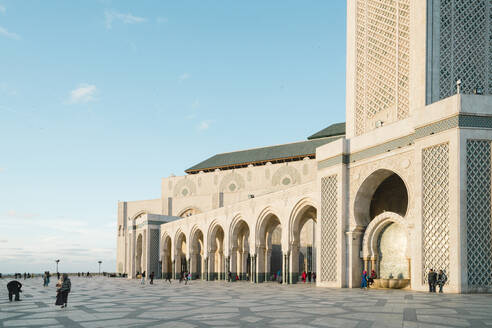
{"x": 404, "y": 186}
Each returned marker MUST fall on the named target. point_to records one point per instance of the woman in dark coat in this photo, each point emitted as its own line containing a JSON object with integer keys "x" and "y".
{"x": 62, "y": 291}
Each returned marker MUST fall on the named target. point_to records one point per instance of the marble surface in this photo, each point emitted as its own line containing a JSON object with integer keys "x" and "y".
{"x": 110, "y": 302}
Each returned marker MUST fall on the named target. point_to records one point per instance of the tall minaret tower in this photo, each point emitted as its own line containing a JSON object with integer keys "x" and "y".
{"x": 405, "y": 54}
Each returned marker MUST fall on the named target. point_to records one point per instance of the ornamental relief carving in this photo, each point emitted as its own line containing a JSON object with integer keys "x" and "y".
{"x": 184, "y": 187}
{"x": 232, "y": 182}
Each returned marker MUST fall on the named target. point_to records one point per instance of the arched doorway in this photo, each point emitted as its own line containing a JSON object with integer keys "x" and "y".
{"x": 216, "y": 264}
{"x": 167, "y": 268}
{"x": 385, "y": 248}
{"x": 381, "y": 205}
{"x": 180, "y": 256}
{"x": 139, "y": 255}
{"x": 269, "y": 251}
{"x": 240, "y": 258}
{"x": 303, "y": 250}
{"x": 196, "y": 254}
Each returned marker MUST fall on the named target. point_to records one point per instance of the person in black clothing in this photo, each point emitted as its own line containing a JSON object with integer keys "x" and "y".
{"x": 168, "y": 277}
{"x": 152, "y": 278}
{"x": 432, "y": 278}
{"x": 14, "y": 288}
{"x": 441, "y": 280}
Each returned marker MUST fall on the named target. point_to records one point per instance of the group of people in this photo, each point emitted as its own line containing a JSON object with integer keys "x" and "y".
{"x": 309, "y": 276}
{"x": 434, "y": 279}
{"x": 438, "y": 279}
{"x": 185, "y": 276}
{"x": 63, "y": 288}
{"x": 367, "y": 280}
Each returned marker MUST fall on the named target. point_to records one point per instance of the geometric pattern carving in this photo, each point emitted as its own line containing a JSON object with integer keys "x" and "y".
{"x": 435, "y": 209}
{"x": 286, "y": 171}
{"x": 230, "y": 179}
{"x": 478, "y": 214}
{"x": 382, "y": 60}
{"x": 465, "y": 50}
{"x": 154, "y": 252}
{"x": 329, "y": 218}
{"x": 184, "y": 187}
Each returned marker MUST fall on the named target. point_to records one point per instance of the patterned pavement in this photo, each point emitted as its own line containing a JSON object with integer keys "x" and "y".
{"x": 113, "y": 302}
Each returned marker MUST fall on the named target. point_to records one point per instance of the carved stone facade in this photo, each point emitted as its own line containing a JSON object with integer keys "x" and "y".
{"x": 478, "y": 214}
{"x": 435, "y": 208}
{"x": 328, "y": 226}
{"x": 407, "y": 189}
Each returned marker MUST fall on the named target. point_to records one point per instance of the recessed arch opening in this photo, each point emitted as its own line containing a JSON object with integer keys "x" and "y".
{"x": 382, "y": 191}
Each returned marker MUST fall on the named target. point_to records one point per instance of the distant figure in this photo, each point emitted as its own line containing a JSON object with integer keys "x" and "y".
{"x": 303, "y": 276}
{"x": 78, "y": 274}
{"x": 25, "y": 276}
{"x": 372, "y": 277}
{"x": 152, "y": 278}
{"x": 229, "y": 276}
{"x": 441, "y": 280}
{"x": 185, "y": 277}
{"x": 143, "y": 278}
{"x": 309, "y": 277}
{"x": 314, "y": 276}
{"x": 14, "y": 288}
{"x": 58, "y": 275}
{"x": 432, "y": 279}
{"x": 168, "y": 277}
{"x": 64, "y": 287}
{"x": 363, "y": 283}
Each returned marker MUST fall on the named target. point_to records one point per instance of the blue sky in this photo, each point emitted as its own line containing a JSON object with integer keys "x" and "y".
{"x": 101, "y": 99}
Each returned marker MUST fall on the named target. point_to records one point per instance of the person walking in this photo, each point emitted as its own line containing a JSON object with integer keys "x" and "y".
{"x": 229, "y": 276}
{"x": 14, "y": 288}
{"x": 363, "y": 283}
{"x": 168, "y": 277}
{"x": 152, "y": 278}
{"x": 441, "y": 280}
{"x": 45, "y": 279}
{"x": 432, "y": 279}
{"x": 143, "y": 278}
{"x": 303, "y": 276}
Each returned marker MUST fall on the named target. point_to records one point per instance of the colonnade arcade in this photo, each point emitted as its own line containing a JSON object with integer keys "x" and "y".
{"x": 268, "y": 247}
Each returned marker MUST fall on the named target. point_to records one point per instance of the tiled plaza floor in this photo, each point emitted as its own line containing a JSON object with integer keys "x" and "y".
{"x": 105, "y": 302}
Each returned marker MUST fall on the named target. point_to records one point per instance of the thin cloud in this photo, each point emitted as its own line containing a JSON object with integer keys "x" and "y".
{"x": 2, "y": 169}
{"x": 2, "y": 9}
{"x": 20, "y": 215}
{"x": 112, "y": 16}
{"x": 204, "y": 125}
{"x": 161, "y": 20}
{"x": 83, "y": 94}
{"x": 183, "y": 77}
{"x": 11, "y": 35}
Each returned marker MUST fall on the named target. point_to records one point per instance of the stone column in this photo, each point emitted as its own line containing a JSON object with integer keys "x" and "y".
{"x": 268, "y": 264}
{"x": 373, "y": 265}
{"x": 354, "y": 264}
{"x": 173, "y": 269}
{"x": 294, "y": 264}
{"x": 233, "y": 260}
{"x": 260, "y": 263}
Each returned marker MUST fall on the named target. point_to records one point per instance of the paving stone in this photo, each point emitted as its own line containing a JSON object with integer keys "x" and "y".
{"x": 104, "y": 302}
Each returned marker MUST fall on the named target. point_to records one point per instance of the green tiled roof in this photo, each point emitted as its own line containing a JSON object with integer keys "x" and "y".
{"x": 336, "y": 129}
{"x": 264, "y": 154}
